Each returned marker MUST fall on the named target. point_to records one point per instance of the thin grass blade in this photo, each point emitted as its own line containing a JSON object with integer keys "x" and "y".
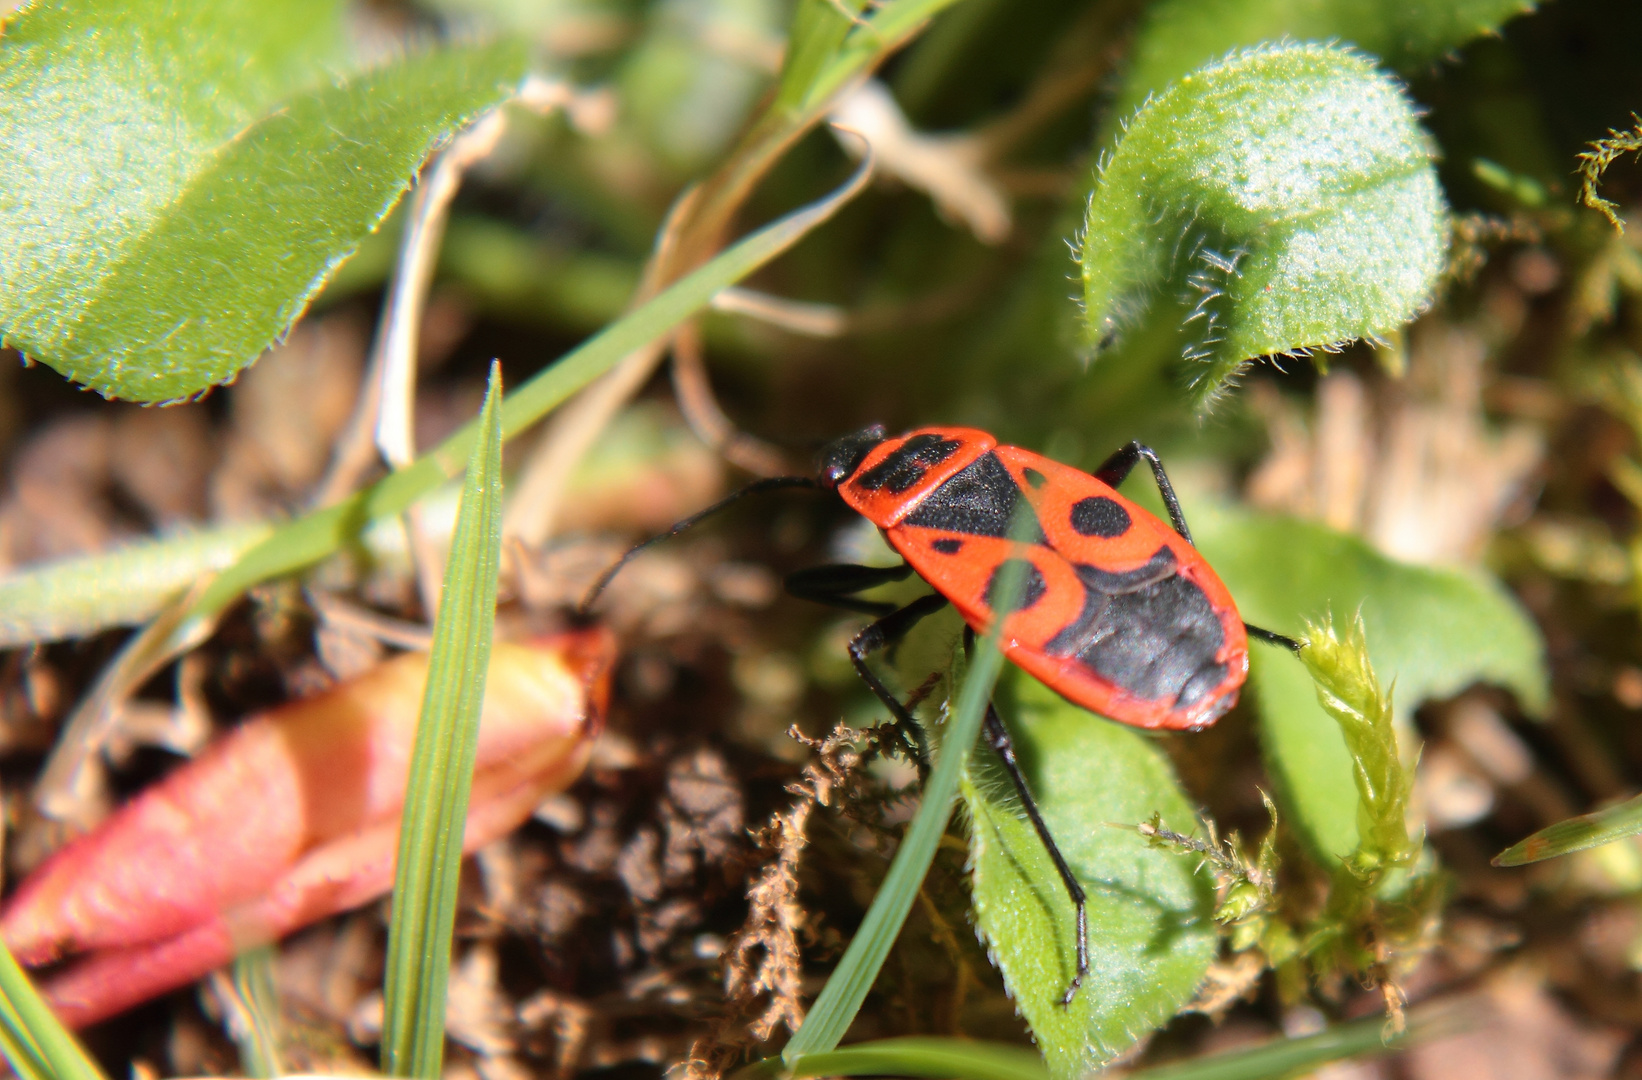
{"x": 938, "y": 1059}
{"x": 258, "y": 1036}
{"x": 965, "y": 1059}
{"x": 441, "y": 775}
{"x": 33, "y": 1040}
{"x": 1287, "y": 1057}
{"x": 1576, "y": 834}
{"x": 850, "y": 981}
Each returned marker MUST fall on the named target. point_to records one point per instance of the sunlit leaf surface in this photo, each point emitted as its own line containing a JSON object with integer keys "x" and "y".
{"x": 1280, "y": 200}
{"x": 177, "y": 180}
{"x": 1150, "y": 934}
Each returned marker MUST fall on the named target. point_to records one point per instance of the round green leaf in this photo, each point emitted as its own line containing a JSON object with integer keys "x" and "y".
{"x": 1280, "y": 200}
{"x": 1150, "y": 933}
{"x": 1431, "y": 633}
{"x": 177, "y": 180}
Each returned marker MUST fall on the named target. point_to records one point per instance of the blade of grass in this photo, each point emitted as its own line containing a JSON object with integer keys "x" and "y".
{"x": 1286, "y": 1057}
{"x": 850, "y": 981}
{"x": 1576, "y": 834}
{"x": 314, "y": 536}
{"x": 869, "y": 41}
{"x": 957, "y": 1059}
{"x": 441, "y": 772}
{"x": 965, "y": 1059}
{"x": 258, "y": 1036}
{"x": 33, "y": 1040}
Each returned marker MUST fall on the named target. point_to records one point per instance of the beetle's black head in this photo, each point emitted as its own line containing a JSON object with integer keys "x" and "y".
{"x": 839, "y": 460}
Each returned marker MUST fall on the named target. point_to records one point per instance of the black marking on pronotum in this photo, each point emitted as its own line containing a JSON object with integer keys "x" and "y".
{"x": 948, "y": 546}
{"x": 1148, "y": 630}
{"x": 980, "y": 500}
{"x": 1099, "y": 516}
{"x": 907, "y": 463}
{"x": 839, "y": 459}
{"x": 1032, "y": 586}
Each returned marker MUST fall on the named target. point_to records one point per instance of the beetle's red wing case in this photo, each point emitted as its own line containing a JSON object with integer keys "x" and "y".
{"x": 1119, "y": 614}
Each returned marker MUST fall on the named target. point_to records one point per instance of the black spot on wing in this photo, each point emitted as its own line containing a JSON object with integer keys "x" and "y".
{"x": 948, "y": 546}
{"x": 907, "y": 463}
{"x": 1149, "y": 630}
{"x": 1100, "y": 516}
{"x": 1031, "y": 584}
{"x": 979, "y": 500}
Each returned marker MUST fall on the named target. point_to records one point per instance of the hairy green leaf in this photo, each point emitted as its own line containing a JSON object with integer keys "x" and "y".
{"x": 441, "y": 771}
{"x": 1431, "y": 633}
{"x": 1150, "y": 933}
{"x": 1282, "y": 199}
{"x": 1179, "y": 35}
{"x": 178, "y": 180}
{"x": 1576, "y": 834}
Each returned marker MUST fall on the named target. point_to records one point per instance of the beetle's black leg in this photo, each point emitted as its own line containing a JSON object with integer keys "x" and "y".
{"x": 1115, "y": 469}
{"x": 832, "y": 585}
{"x": 997, "y": 736}
{"x": 880, "y": 635}
{"x": 1271, "y": 637}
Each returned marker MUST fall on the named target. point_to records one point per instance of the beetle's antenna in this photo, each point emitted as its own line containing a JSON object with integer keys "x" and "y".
{"x": 769, "y": 483}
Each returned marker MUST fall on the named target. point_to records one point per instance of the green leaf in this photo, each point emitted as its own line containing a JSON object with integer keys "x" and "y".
{"x": 1179, "y": 35}
{"x": 1431, "y": 633}
{"x": 34, "y": 1041}
{"x": 1150, "y": 933}
{"x": 178, "y": 180}
{"x": 441, "y": 771}
{"x": 1280, "y": 200}
{"x": 1576, "y": 834}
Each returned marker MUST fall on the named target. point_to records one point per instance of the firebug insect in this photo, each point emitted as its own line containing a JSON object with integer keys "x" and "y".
{"x": 1117, "y": 611}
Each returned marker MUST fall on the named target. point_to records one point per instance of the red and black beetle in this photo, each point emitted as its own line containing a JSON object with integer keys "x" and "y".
{"x": 1117, "y": 611}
